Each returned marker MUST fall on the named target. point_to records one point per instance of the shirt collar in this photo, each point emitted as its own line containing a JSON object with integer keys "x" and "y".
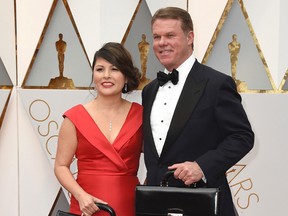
{"x": 184, "y": 68}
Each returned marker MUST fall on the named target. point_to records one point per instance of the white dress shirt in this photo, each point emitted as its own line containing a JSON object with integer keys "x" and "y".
{"x": 165, "y": 103}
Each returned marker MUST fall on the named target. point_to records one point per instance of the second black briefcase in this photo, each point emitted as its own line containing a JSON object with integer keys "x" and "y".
{"x": 176, "y": 201}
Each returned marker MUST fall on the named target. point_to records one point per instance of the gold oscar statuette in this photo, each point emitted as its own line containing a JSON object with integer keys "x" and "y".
{"x": 234, "y": 49}
{"x": 143, "y": 47}
{"x": 61, "y": 82}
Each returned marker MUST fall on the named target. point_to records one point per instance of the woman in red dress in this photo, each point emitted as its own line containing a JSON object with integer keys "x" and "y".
{"x": 105, "y": 136}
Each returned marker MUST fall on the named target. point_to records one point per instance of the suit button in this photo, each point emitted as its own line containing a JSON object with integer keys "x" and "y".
{"x": 160, "y": 165}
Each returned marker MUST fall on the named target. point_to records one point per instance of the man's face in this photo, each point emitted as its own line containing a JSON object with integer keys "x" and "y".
{"x": 170, "y": 44}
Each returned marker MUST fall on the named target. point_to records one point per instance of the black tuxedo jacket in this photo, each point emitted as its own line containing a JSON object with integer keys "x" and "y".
{"x": 209, "y": 126}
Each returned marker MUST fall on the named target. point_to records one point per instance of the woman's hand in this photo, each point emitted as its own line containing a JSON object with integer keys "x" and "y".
{"x": 87, "y": 204}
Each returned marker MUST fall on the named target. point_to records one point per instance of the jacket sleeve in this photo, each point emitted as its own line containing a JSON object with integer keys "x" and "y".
{"x": 235, "y": 128}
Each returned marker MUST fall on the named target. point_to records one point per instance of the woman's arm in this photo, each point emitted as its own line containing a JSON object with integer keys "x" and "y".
{"x": 67, "y": 144}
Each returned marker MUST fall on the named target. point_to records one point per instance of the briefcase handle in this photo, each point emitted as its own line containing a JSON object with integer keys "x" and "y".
{"x": 167, "y": 176}
{"x": 101, "y": 206}
{"x": 106, "y": 208}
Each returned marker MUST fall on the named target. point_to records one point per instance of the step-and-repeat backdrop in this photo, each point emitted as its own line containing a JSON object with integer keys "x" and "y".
{"x": 45, "y": 68}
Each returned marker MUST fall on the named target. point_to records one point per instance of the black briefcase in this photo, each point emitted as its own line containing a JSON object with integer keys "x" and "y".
{"x": 101, "y": 206}
{"x": 176, "y": 201}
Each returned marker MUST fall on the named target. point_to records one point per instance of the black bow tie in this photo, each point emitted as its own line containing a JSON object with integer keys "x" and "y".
{"x": 164, "y": 78}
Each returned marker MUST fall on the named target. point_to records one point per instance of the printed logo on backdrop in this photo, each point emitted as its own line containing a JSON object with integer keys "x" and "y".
{"x": 6, "y": 86}
{"x": 242, "y": 187}
{"x": 234, "y": 50}
{"x": 45, "y": 113}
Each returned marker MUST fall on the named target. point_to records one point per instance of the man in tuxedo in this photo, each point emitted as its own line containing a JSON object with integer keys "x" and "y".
{"x": 194, "y": 121}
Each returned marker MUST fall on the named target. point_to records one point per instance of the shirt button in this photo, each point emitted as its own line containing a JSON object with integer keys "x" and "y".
{"x": 162, "y": 121}
{"x": 165, "y": 103}
{"x": 160, "y": 138}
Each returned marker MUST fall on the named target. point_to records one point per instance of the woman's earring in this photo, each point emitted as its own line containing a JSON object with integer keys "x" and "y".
{"x": 125, "y": 87}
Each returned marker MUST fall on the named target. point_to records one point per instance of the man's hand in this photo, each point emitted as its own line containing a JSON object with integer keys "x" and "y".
{"x": 189, "y": 172}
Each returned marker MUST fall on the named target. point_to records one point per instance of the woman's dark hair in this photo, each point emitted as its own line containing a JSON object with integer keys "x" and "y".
{"x": 119, "y": 56}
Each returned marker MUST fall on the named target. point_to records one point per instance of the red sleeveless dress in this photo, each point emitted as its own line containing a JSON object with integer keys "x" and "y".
{"x": 108, "y": 171}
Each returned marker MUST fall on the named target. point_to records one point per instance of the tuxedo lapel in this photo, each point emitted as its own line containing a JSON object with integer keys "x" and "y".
{"x": 192, "y": 91}
{"x": 147, "y": 104}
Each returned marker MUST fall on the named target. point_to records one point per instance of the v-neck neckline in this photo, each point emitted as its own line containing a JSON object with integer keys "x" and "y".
{"x": 101, "y": 132}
